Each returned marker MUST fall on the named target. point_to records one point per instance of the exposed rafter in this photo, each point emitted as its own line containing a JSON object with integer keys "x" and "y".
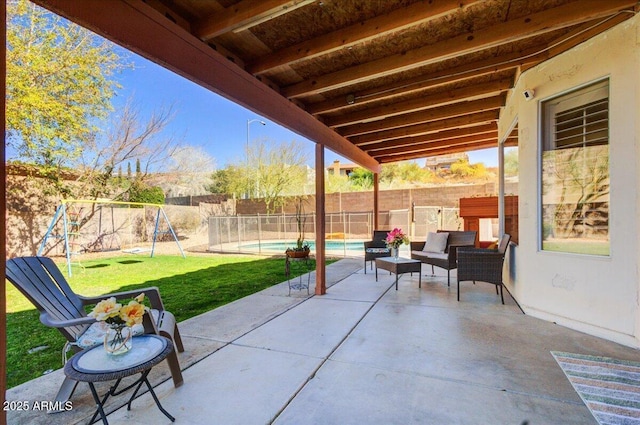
{"x": 510, "y": 31}
{"x": 434, "y": 114}
{"x": 423, "y": 141}
{"x": 429, "y": 127}
{"x": 432, "y": 100}
{"x": 379, "y": 26}
{"x": 441, "y": 144}
{"x": 441, "y": 92}
{"x": 244, "y": 15}
{"x": 484, "y": 144}
{"x": 585, "y": 32}
{"x": 446, "y": 76}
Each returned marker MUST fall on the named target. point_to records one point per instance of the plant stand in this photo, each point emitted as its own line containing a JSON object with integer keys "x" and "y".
{"x": 303, "y": 265}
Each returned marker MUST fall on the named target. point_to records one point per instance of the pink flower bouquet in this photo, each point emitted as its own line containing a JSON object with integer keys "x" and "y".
{"x": 395, "y": 238}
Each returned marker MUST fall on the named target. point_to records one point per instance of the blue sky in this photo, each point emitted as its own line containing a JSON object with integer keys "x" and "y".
{"x": 207, "y": 120}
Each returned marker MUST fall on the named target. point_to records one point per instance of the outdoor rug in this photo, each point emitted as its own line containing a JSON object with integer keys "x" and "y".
{"x": 610, "y": 388}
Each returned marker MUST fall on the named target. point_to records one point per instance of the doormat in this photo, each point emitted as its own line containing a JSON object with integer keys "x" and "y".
{"x": 609, "y": 387}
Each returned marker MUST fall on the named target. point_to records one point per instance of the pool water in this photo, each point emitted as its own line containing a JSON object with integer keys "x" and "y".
{"x": 283, "y": 245}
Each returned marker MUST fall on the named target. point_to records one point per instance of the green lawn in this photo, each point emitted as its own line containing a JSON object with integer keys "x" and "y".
{"x": 188, "y": 287}
{"x": 577, "y": 247}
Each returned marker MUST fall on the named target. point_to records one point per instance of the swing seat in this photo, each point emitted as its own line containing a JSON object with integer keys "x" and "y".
{"x": 106, "y": 250}
{"x": 136, "y": 250}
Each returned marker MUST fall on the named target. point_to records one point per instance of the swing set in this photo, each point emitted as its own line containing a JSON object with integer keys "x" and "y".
{"x": 95, "y": 229}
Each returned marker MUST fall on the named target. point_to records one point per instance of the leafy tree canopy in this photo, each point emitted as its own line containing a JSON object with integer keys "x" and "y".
{"x": 361, "y": 179}
{"x": 141, "y": 192}
{"x": 462, "y": 168}
{"x": 228, "y": 181}
{"x": 511, "y": 162}
{"x": 269, "y": 171}
{"x": 276, "y": 169}
{"x": 60, "y": 80}
{"x": 404, "y": 173}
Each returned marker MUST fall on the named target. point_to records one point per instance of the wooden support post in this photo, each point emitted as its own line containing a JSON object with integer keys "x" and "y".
{"x": 321, "y": 286}
{"x": 501, "y": 220}
{"x": 376, "y": 187}
{"x": 3, "y": 221}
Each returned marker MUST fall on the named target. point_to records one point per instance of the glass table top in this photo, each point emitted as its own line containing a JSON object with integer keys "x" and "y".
{"x": 97, "y": 360}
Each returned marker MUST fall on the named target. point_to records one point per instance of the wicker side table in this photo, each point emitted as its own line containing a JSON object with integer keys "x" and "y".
{"x": 399, "y": 266}
{"x": 95, "y": 365}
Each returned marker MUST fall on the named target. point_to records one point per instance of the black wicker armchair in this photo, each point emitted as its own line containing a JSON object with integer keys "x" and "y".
{"x": 484, "y": 265}
{"x": 376, "y": 247}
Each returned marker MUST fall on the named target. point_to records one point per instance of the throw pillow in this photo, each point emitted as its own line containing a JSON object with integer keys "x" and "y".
{"x": 436, "y": 242}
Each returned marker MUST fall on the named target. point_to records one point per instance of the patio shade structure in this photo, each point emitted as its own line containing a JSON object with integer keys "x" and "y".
{"x": 374, "y": 81}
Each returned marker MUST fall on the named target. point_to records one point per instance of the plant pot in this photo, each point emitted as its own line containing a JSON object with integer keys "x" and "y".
{"x": 292, "y": 253}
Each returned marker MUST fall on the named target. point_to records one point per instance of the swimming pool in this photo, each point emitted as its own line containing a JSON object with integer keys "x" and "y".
{"x": 281, "y": 246}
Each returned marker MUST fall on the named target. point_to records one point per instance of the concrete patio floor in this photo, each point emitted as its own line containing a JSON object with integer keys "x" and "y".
{"x": 362, "y": 354}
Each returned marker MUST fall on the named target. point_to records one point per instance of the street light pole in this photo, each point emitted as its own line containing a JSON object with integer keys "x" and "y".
{"x": 248, "y": 123}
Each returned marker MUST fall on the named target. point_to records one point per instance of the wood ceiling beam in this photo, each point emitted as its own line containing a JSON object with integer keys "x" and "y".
{"x": 441, "y": 151}
{"x": 434, "y": 79}
{"x": 432, "y": 100}
{"x": 538, "y": 23}
{"x": 425, "y": 128}
{"x": 585, "y": 32}
{"x": 409, "y": 119}
{"x": 512, "y": 139}
{"x": 442, "y": 143}
{"x": 170, "y": 13}
{"x": 143, "y": 30}
{"x": 431, "y": 137}
{"x": 243, "y": 14}
{"x": 360, "y": 32}
{"x": 511, "y": 142}
{"x": 579, "y": 35}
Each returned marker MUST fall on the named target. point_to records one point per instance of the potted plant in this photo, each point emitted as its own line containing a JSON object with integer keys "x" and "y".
{"x": 301, "y": 249}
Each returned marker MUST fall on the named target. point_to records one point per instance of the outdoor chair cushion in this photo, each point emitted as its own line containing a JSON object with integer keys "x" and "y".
{"x": 436, "y": 242}
{"x": 94, "y": 335}
{"x": 425, "y": 255}
{"x": 377, "y": 250}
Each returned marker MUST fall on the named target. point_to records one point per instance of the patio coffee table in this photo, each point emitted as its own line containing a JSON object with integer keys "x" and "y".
{"x": 399, "y": 266}
{"x": 95, "y": 365}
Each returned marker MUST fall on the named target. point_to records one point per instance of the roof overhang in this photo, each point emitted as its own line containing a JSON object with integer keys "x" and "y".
{"x": 375, "y": 82}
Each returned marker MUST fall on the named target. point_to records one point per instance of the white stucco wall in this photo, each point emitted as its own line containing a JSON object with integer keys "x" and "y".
{"x": 597, "y": 295}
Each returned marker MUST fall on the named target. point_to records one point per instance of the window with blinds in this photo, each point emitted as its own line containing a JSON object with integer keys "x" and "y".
{"x": 575, "y": 171}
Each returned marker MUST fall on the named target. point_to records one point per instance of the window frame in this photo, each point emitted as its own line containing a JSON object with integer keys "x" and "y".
{"x": 574, "y": 97}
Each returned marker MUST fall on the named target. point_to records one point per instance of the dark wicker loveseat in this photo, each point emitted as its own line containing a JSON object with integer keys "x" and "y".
{"x": 446, "y": 260}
